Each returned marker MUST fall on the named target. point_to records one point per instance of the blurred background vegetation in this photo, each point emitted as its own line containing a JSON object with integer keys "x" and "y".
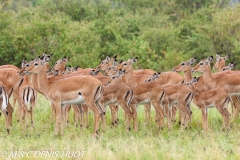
{"x": 161, "y": 32}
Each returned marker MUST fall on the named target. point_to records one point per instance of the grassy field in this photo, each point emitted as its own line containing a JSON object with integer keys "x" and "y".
{"x": 116, "y": 143}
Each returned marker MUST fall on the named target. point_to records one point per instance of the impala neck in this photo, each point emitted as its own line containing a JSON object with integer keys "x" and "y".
{"x": 207, "y": 76}
{"x": 130, "y": 79}
{"x": 42, "y": 80}
{"x": 188, "y": 75}
{"x": 221, "y": 65}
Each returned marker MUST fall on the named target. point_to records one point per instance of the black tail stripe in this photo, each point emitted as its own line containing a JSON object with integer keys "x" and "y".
{"x": 188, "y": 96}
{"x": 33, "y": 93}
{"x": 20, "y": 82}
{"x": 28, "y": 90}
{"x": 163, "y": 93}
{"x": 96, "y": 92}
{"x": 24, "y": 94}
{"x": 11, "y": 93}
{"x": 127, "y": 94}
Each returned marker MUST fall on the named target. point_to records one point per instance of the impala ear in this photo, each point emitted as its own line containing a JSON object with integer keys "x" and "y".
{"x": 75, "y": 69}
{"x": 55, "y": 73}
{"x": 133, "y": 60}
{"x": 24, "y": 61}
{"x": 218, "y": 58}
{"x": 115, "y": 57}
{"x": 210, "y": 58}
{"x": 120, "y": 61}
{"x": 192, "y": 60}
{"x": 108, "y": 58}
{"x": 226, "y": 57}
{"x": 51, "y": 55}
{"x": 63, "y": 59}
{"x": 47, "y": 59}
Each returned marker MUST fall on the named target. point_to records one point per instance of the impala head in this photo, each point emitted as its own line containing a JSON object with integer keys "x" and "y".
{"x": 94, "y": 72}
{"x": 118, "y": 74}
{"x": 110, "y": 71}
{"x": 107, "y": 62}
{"x": 193, "y": 81}
{"x": 184, "y": 66}
{"x": 127, "y": 65}
{"x": 230, "y": 66}
{"x": 202, "y": 66}
{"x": 61, "y": 64}
{"x": 38, "y": 65}
{"x": 220, "y": 62}
{"x": 153, "y": 77}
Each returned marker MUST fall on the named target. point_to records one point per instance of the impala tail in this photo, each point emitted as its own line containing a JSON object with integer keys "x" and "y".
{"x": 162, "y": 96}
{"x": 4, "y": 97}
{"x": 97, "y": 96}
{"x": 226, "y": 101}
{"x": 128, "y": 96}
{"x": 28, "y": 94}
{"x": 189, "y": 98}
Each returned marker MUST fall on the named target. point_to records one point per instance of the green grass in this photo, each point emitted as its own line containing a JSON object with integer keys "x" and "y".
{"x": 116, "y": 143}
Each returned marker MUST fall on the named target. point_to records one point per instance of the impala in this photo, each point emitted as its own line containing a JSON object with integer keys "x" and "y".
{"x": 217, "y": 98}
{"x": 69, "y": 90}
{"x": 229, "y": 82}
{"x": 4, "y": 104}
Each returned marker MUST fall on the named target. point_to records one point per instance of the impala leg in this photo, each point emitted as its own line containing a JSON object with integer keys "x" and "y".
{"x": 53, "y": 112}
{"x": 58, "y": 115}
{"x": 204, "y": 118}
{"x": 81, "y": 115}
{"x": 19, "y": 113}
{"x": 63, "y": 123}
{"x": 128, "y": 113}
{"x": 174, "y": 113}
{"x": 135, "y": 122}
{"x": 76, "y": 113}
{"x": 9, "y": 111}
{"x": 228, "y": 115}
{"x": 85, "y": 111}
{"x": 147, "y": 109}
{"x": 169, "y": 115}
{"x": 7, "y": 121}
{"x": 117, "y": 109}
{"x": 113, "y": 113}
{"x": 31, "y": 114}
{"x": 67, "y": 110}
{"x": 235, "y": 104}
{"x": 159, "y": 112}
{"x": 187, "y": 114}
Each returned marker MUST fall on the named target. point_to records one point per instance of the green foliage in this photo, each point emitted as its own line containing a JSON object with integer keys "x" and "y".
{"x": 161, "y": 33}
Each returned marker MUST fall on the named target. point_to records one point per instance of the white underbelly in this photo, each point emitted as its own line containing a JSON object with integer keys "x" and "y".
{"x": 174, "y": 102}
{"x": 211, "y": 106}
{"x": 111, "y": 102}
{"x": 235, "y": 94}
{"x": 144, "y": 102}
{"x": 78, "y": 100}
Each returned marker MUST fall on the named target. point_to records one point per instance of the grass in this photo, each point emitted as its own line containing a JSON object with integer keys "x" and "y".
{"x": 116, "y": 143}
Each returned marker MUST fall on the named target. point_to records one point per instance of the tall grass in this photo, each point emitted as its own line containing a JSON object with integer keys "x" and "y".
{"x": 116, "y": 143}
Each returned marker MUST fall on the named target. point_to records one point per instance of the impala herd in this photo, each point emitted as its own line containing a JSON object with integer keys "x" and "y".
{"x": 117, "y": 84}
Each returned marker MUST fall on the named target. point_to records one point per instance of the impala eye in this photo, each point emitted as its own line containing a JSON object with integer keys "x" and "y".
{"x": 35, "y": 64}
{"x": 27, "y": 65}
{"x": 201, "y": 63}
{"x": 182, "y": 64}
{"x": 125, "y": 64}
